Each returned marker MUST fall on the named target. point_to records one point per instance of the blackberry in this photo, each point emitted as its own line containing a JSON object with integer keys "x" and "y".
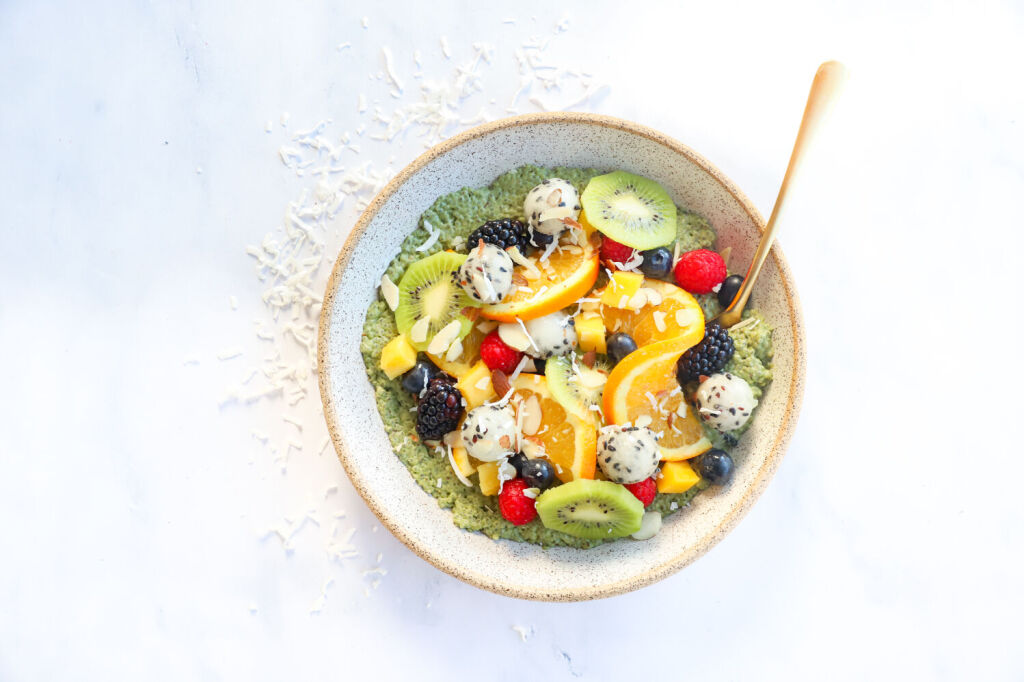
{"x": 439, "y": 410}
{"x": 708, "y": 356}
{"x": 504, "y": 234}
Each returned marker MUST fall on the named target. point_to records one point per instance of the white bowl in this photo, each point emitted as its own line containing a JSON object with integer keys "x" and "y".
{"x": 475, "y": 158}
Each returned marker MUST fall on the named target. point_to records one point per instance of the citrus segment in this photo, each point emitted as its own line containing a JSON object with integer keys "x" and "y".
{"x": 569, "y": 442}
{"x": 676, "y": 314}
{"x": 567, "y": 275}
{"x": 644, "y": 384}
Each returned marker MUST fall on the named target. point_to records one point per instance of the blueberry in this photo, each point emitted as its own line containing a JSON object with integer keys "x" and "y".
{"x": 538, "y": 473}
{"x": 518, "y": 460}
{"x": 657, "y": 263}
{"x": 619, "y": 346}
{"x": 417, "y": 378}
{"x": 729, "y": 288}
{"x": 715, "y": 467}
{"x": 540, "y": 239}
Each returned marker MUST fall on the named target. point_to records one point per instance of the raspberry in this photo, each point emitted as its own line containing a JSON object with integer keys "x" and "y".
{"x": 496, "y": 354}
{"x": 700, "y": 271}
{"x": 644, "y": 490}
{"x": 614, "y": 252}
{"x": 516, "y": 507}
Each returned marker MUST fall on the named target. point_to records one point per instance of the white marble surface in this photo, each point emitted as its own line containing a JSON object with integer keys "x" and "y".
{"x": 134, "y": 509}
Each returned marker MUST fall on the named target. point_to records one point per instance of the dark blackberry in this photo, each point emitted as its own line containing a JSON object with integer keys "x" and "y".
{"x": 707, "y": 357}
{"x": 504, "y": 234}
{"x": 439, "y": 410}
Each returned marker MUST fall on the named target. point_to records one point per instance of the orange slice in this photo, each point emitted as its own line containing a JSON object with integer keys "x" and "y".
{"x": 569, "y": 442}
{"x": 676, "y": 314}
{"x": 566, "y": 276}
{"x": 644, "y": 384}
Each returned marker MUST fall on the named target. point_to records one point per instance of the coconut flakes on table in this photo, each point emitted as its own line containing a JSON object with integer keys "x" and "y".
{"x": 389, "y": 69}
{"x": 524, "y": 632}
{"x": 230, "y": 353}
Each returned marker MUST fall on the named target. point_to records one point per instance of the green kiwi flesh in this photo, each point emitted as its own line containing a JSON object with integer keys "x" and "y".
{"x": 430, "y": 288}
{"x": 630, "y": 209}
{"x": 592, "y": 510}
{"x": 576, "y": 389}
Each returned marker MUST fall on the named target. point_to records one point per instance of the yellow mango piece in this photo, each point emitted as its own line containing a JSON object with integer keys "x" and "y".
{"x": 590, "y": 331}
{"x": 621, "y": 288}
{"x": 475, "y": 385}
{"x": 397, "y": 357}
{"x": 489, "y": 484}
{"x": 585, "y": 224}
{"x": 461, "y": 458}
{"x": 676, "y": 477}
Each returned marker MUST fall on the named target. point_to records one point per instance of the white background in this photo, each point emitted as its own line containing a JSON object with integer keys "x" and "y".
{"x": 134, "y": 508}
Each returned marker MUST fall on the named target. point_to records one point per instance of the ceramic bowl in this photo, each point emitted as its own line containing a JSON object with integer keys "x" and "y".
{"x": 475, "y": 158}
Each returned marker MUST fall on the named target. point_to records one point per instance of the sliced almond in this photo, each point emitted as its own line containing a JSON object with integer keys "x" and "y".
{"x": 653, "y": 297}
{"x": 643, "y": 421}
{"x": 589, "y": 358}
{"x": 444, "y": 338}
{"x": 659, "y": 320}
{"x": 514, "y": 336}
{"x": 518, "y": 280}
{"x": 639, "y": 299}
{"x": 487, "y": 326}
{"x": 454, "y": 351}
{"x": 453, "y": 438}
{"x": 555, "y": 197}
{"x": 530, "y": 270}
{"x": 532, "y": 415}
{"x": 418, "y": 333}
{"x": 500, "y": 382}
{"x": 389, "y": 290}
{"x": 470, "y": 312}
{"x": 593, "y": 379}
{"x": 533, "y": 448}
{"x": 725, "y": 253}
{"x": 685, "y": 317}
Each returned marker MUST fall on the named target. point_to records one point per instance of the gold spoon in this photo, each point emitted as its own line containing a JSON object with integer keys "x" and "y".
{"x": 828, "y": 82}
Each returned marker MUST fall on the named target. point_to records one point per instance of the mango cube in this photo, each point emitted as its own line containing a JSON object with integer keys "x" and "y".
{"x": 475, "y": 385}
{"x": 489, "y": 483}
{"x": 590, "y": 331}
{"x": 461, "y": 458}
{"x": 585, "y": 224}
{"x": 676, "y": 477}
{"x": 621, "y": 288}
{"x": 397, "y": 357}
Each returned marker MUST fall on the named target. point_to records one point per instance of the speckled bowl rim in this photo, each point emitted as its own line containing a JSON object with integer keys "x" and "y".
{"x": 733, "y": 516}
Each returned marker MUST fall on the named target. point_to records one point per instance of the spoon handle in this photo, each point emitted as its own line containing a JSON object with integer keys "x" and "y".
{"x": 825, "y": 89}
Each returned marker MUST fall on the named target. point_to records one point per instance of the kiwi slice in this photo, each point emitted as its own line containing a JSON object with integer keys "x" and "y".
{"x": 591, "y": 509}
{"x": 430, "y": 290}
{"x": 630, "y": 209}
{"x": 576, "y": 389}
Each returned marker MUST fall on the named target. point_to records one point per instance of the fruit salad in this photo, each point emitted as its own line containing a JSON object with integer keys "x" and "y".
{"x": 545, "y": 360}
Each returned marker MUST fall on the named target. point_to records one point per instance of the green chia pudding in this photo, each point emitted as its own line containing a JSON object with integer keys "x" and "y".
{"x": 453, "y": 217}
